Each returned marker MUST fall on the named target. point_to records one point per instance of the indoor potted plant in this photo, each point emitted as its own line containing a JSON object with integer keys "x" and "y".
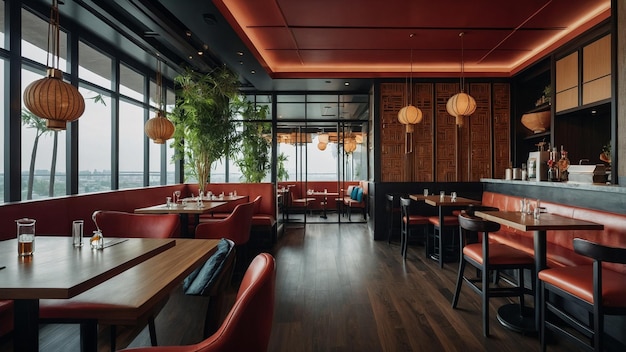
{"x": 205, "y": 132}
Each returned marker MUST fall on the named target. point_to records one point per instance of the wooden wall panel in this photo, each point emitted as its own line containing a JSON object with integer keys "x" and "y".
{"x": 445, "y": 138}
{"x": 501, "y": 129}
{"x": 392, "y": 132}
{"x": 478, "y": 161}
{"x": 423, "y": 135}
{"x": 483, "y": 142}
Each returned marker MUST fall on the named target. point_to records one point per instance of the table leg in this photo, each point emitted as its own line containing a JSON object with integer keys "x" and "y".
{"x": 26, "y": 325}
{"x": 540, "y": 264}
{"x": 184, "y": 225}
{"x": 324, "y": 208}
{"x": 529, "y": 320}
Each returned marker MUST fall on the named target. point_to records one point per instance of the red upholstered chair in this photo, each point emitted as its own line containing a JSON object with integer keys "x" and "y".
{"x": 121, "y": 224}
{"x": 596, "y": 288}
{"x": 248, "y": 325}
{"x": 488, "y": 257}
{"x": 235, "y": 227}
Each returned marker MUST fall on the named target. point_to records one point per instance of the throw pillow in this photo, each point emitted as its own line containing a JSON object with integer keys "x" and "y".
{"x": 355, "y": 191}
{"x": 201, "y": 279}
{"x": 359, "y": 195}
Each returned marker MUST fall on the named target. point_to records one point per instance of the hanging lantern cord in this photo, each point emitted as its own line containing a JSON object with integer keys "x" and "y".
{"x": 159, "y": 82}
{"x": 411, "y": 73}
{"x": 53, "y": 37}
{"x": 462, "y": 79}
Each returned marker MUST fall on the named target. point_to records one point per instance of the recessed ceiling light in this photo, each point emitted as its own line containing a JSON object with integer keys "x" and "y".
{"x": 190, "y": 57}
{"x": 241, "y": 62}
{"x": 240, "y": 53}
{"x": 252, "y": 71}
{"x": 346, "y": 84}
{"x": 200, "y": 52}
{"x": 188, "y": 33}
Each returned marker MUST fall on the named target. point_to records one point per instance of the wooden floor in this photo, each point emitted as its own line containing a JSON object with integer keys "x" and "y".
{"x": 338, "y": 290}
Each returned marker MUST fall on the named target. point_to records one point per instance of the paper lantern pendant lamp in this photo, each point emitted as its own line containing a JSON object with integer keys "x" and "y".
{"x": 460, "y": 105}
{"x": 54, "y": 100}
{"x": 159, "y": 128}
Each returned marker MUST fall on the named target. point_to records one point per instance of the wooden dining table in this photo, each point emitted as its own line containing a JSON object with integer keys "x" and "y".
{"x": 191, "y": 207}
{"x": 443, "y": 203}
{"x": 509, "y": 315}
{"x": 324, "y": 195}
{"x": 57, "y": 269}
{"x": 139, "y": 292}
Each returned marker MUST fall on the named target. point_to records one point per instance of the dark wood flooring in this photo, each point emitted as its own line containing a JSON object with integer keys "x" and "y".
{"x": 338, "y": 290}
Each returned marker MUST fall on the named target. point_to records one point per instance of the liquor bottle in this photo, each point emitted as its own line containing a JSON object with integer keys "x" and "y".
{"x": 563, "y": 165}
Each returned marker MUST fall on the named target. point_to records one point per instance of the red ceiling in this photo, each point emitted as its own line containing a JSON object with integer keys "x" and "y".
{"x": 371, "y": 38}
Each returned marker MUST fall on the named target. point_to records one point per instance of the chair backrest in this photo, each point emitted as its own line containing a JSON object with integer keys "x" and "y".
{"x": 257, "y": 204}
{"x": 248, "y": 325}
{"x": 405, "y": 206}
{"x": 475, "y": 224}
{"x": 599, "y": 252}
{"x": 235, "y": 227}
{"x": 122, "y": 224}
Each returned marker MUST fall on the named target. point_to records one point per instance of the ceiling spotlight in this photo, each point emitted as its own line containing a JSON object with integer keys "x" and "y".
{"x": 200, "y": 52}
{"x": 252, "y": 71}
{"x": 209, "y": 19}
{"x": 346, "y": 83}
{"x": 190, "y": 57}
{"x": 241, "y": 62}
{"x": 240, "y": 53}
{"x": 188, "y": 33}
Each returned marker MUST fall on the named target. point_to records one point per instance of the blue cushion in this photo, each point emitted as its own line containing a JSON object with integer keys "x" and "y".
{"x": 355, "y": 191}
{"x": 201, "y": 279}
{"x": 359, "y": 195}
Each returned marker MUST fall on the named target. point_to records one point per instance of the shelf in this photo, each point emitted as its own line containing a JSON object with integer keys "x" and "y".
{"x": 542, "y": 107}
{"x": 538, "y": 135}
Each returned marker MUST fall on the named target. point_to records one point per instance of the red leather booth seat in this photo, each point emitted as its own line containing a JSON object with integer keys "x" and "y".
{"x": 560, "y": 250}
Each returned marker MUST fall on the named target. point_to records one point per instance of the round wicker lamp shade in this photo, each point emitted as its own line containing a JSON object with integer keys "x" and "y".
{"x": 159, "y": 128}
{"x": 54, "y": 100}
{"x": 460, "y": 105}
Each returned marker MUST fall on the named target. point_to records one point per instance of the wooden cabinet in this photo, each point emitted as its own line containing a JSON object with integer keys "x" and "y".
{"x": 567, "y": 82}
{"x": 584, "y": 76}
{"x": 596, "y": 82}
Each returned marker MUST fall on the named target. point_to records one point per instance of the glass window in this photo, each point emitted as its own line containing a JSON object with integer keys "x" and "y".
{"x": 2, "y": 124}
{"x": 2, "y": 27}
{"x": 131, "y": 83}
{"x": 94, "y": 143}
{"x": 155, "y": 160}
{"x": 131, "y": 151}
{"x": 43, "y": 153}
{"x": 94, "y": 67}
{"x": 170, "y": 100}
{"x": 35, "y": 40}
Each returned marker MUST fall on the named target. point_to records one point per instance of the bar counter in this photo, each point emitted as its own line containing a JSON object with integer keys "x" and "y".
{"x": 607, "y": 197}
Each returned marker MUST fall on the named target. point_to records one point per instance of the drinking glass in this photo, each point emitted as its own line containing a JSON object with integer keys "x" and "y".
{"x": 442, "y": 194}
{"x": 77, "y": 233}
{"x": 25, "y": 237}
{"x": 425, "y": 192}
{"x": 453, "y": 196}
{"x": 168, "y": 201}
{"x": 176, "y": 197}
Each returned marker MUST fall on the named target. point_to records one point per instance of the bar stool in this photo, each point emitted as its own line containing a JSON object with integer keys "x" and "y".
{"x": 596, "y": 288}
{"x": 409, "y": 223}
{"x": 487, "y": 257}
{"x": 392, "y": 206}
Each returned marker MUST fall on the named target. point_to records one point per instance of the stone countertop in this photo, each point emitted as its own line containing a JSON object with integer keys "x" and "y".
{"x": 571, "y": 185}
